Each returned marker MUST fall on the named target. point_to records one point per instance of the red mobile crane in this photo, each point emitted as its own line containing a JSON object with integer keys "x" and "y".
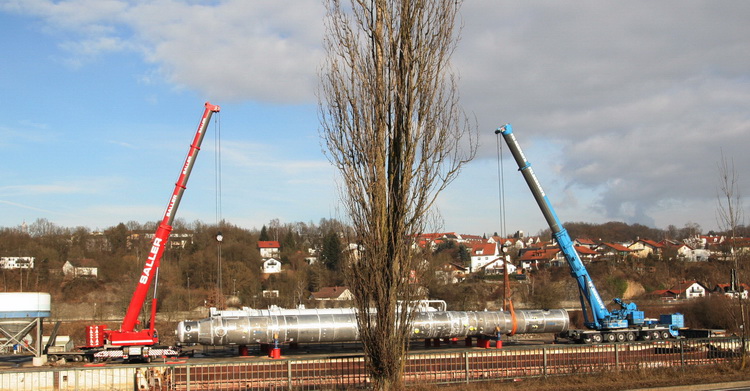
{"x": 127, "y": 342}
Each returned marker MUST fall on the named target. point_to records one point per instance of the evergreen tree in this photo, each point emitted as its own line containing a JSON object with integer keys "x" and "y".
{"x": 331, "y": 252}
{"x": 264, "y": 234}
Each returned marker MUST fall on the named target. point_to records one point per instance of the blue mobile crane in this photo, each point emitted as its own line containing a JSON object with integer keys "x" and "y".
{"x": 626, "y": 323}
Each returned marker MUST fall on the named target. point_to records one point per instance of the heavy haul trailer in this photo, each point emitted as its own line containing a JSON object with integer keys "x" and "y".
{"x": 626, "y": 323}
{"x": 127, "y": 343}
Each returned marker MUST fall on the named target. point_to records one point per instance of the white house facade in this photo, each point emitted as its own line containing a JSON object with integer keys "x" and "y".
{"x": 16, "y": 262}
{"x": 270, "y": 266}
{"x": 481, "y": 255}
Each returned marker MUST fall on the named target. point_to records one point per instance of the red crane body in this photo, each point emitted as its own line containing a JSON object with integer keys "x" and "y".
{"x": 127, "y": 335}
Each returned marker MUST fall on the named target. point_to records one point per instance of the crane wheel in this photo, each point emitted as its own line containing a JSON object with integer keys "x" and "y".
{"x": 609, "y": 337}
{"x": 597, "y": 338}
{"x": 630, "y": 336}
{"x": 665, "y": 335}
{"x": 655, "y": 335}
{"x": 620, "y": 337}
{"x": 646, "y": 336}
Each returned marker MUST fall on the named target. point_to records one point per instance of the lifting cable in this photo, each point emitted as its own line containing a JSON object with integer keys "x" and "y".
{"x": 507, "y": 301}
{"x": 217, "y": 175}
{"x": 501, "y": 186}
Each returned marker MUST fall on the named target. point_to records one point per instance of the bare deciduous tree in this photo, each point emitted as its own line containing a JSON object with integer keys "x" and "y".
{"x": 730, "y": 215}
{"x": 393, "y": 127}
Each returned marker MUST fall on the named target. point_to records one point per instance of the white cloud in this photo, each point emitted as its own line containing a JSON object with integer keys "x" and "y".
{"x": 228, "y": 50}
{"x": 639, "y": 97}
{"x": 636, "y": 98}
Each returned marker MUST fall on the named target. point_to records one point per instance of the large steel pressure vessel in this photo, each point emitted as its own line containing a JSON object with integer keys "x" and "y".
{"x": 342, "y": 326}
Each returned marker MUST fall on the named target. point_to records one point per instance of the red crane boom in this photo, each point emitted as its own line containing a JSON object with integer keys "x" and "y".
{"x": 127, "y": 335}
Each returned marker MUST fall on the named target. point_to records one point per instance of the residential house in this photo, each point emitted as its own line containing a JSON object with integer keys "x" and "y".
{"x": 17, "y": 262}
{"x": 498, "y": 267}
{"x": 180, "y": 239}
{"x": 270, "y": 293}
{"x": 683, "y": 290}
{"x": 354, "y": 251}
{"x": 534, "y": 258}
{"x": 690, "y": 289}
{"x": 551, "y": 255}
{"x": 642, "y": 248}
{"x": 509, "y": 245}
{"x": 271, "y": 266}
{"x": 689, "y": 254}
{"x": 312, "y": 256}
{"x": 704, "y": 242}
{"x": 482, "y": 254}
{"x": 531, "y": 241}
{"x": 464, "y": 238}
{"x": 613, "y": 251}
{"x": 88, "y": 268}
{"x": 451, "y": 273}
{"x": 335, "y": 293}
{"x": 433, "y": 240}
{"x": 727, "y": 290}
{"x": 269, "y": 248}
{"x": 739, "y": 245}
{"x": 584, "y": 242}
{"x": 587, "y": 254}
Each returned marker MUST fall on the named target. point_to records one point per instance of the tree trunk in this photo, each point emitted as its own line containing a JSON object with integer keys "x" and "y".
{"x": 393, "y": 128}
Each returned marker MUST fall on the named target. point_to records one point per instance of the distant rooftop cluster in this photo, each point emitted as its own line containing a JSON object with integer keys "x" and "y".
{"x": 491, "y": 255}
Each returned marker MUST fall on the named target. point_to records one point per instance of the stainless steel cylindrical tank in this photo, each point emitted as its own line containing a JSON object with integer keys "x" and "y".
{"x": 342, "y": 327}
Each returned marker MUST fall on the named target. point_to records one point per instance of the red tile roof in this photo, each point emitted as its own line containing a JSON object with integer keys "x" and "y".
{"x": 539, "y": 254}
{"x": 651, "y": 243}
{"x": 484, "y": 249}
{"x": 583, "y": 250}
{"x": 683, "y": 286}
{"x": 617, "y": 247}
{"x": 268, "y": 244}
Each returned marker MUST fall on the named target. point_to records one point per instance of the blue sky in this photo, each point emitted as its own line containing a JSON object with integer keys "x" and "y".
{"x": 624, "y": 110}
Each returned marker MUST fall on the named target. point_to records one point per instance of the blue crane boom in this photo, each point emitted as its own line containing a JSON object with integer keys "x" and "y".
{"x": 625, "y": 323}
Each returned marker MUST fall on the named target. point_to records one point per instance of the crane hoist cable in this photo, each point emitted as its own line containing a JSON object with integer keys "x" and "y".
{"x": 507, "y": 301}
{"x": 219, "y": 218}
{"x": 501, "y": 186}
{"x": 217, "y": 167}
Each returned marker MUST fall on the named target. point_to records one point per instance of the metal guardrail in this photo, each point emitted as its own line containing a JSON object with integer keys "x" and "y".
{"x": 437, "y": 367}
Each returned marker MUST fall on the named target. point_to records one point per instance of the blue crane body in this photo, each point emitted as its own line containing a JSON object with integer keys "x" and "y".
{"x": 624, "y": 324}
